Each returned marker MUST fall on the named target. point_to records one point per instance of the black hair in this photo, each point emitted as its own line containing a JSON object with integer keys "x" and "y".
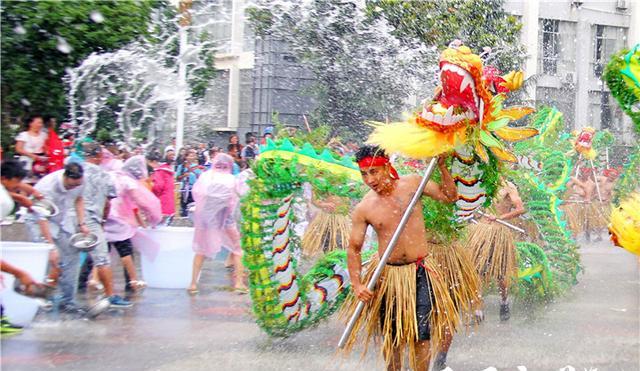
{"x": 154, "y": 156}
{"x": 47, "y": 120}
{"x": 369, "y": 150}
{"x": 73, "y": 170}
{"x": 30, "y": 120}
{"x": 91, "y": 149}
{"x": 11, "y": 169}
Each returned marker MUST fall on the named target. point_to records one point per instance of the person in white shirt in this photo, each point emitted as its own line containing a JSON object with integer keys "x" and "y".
{"x": 30, "y": 145}
{"x": 64, "y": 188}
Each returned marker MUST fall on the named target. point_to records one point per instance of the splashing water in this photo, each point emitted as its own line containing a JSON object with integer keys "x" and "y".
{"x": 96, "y": 16}
{"x": 136, "y": 89}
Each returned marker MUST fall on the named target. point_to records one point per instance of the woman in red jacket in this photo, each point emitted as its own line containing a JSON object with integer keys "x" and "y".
{"x": 54, "y": 146}
{"x": 163, "y": 185}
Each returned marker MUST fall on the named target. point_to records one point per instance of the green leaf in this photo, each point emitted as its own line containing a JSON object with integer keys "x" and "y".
{"x": 489, "y": 140}
{"x": 497, "y": 124}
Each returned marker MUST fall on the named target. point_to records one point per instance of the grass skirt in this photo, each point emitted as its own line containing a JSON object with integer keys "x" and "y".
{"x": 326, "y": 232}
{"x": 460, "y": 275}
{"x": 586, "y": 216}
{"x": 493, "y": 252}
{"x": 396, "y": 290}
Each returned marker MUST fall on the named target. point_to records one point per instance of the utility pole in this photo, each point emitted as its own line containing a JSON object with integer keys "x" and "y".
{"x": 185, "y": 21}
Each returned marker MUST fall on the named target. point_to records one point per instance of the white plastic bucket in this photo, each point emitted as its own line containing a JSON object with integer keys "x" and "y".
{"x": 32, "y": 258}
{"x": 166, "y": 256}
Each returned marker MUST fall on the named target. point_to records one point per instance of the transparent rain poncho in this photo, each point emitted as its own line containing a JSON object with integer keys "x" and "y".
{"x": 216, "y": 197}
{"x": 133, "y": 198}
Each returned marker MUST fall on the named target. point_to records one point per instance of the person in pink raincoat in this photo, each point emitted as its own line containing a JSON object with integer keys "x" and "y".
{"x": 135, "y": 206}
{"x": 109, "y": 161}
{"x": 163, "y": 185}
{"x": 216, "y": 197}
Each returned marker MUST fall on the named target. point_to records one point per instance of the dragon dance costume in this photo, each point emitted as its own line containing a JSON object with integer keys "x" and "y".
{"x": 622, "y": 75}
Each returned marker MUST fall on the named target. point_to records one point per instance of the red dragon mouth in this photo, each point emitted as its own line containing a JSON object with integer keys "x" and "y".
{"x": 458, "y": 88}
{"x": 584, "y": 140}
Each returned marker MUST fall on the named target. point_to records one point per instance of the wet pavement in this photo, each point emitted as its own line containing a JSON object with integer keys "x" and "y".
{"x": 596, "y": 326}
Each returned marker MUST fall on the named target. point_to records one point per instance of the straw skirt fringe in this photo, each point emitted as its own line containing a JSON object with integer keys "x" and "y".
{"x": 460, "y": 276}
{"x": 326, "y": 232}
{"x": 396, "y": 292}
{"x": 493, "y": 252}
{"x": 586, "y": 216}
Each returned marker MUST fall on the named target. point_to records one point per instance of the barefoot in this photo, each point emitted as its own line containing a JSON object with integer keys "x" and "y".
{"x": 241, "y": 288}
{"x": 193, "y": 290}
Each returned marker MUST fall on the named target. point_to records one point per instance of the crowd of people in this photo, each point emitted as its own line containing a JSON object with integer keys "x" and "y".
{"x": 109, "y": 189}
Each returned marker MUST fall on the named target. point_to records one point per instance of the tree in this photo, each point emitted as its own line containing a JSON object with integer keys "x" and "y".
{"x": 134, "y": 91}
{"x": 478, "y": 23}
{"x": 362, "y": 72}
{"x": 368, "y": 61}
{"x": 42, "y": 39}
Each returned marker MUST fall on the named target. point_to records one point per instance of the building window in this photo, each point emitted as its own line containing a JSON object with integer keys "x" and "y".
{"x": 607, "y": 40}
{"x": 550, "y": 46}
{"x": 599, "y": 51}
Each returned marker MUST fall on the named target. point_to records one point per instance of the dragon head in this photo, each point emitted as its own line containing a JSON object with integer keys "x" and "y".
{"x": 583, "y": 143}
{"x": 466, "y": 108}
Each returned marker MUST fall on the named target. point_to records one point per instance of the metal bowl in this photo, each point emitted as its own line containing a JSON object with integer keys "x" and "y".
{"x": 45, "y": 208}
{"x": 84, "y": 242}
{"x": 98, "y": 308}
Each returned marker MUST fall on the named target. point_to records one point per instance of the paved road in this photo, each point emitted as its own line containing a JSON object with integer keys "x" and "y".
{"x": 596, "y": 326}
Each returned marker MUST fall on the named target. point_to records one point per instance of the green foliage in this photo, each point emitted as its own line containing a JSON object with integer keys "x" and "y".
{"x": 40, "y": 39}
{"x": 200, "y": 77}
{"x": 365, "y": 61}
{"x": 626, "y": 93}
{"x": 478, "y": 24}
{"x": 104, "y": 135}
{"x": 318, "y": 137}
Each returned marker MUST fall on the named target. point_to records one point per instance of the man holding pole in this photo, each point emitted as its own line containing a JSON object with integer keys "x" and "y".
{"x": 410, "y": 304}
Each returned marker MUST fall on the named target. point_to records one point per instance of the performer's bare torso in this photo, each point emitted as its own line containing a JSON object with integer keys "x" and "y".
{"x": 503, "y": 203}
{"x": 383, "y": 213}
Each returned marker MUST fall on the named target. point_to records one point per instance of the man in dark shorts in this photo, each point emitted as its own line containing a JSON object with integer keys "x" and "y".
{"x": 400, "y": 308}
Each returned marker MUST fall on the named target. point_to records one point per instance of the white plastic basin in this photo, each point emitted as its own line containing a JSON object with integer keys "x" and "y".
{"x": 32, "y": 258}
{"x": 166, "y": 256}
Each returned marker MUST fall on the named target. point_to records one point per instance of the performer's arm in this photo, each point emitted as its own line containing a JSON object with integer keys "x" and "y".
{"x": 445, "y": 192}
{"x": 518, "y": 205}
{"x": 354, "y": 258}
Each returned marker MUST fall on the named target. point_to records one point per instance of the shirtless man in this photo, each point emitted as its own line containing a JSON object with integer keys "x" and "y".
{"x": 606, "y": 183}
{"x": 508, "y": 205}
{"x": 382, "y": 208}
{"x": 586, "y": 188}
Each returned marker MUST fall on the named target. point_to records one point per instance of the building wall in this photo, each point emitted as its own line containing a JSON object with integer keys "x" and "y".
{"x": 280, "y": 86}
{"x": 575, "y": 40}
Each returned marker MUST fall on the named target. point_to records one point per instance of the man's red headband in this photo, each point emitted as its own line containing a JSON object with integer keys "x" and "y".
{"x": 378, "y": 161}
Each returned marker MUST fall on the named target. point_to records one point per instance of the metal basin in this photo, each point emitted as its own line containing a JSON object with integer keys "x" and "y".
{"x": 84, "y": 242}
{"x": 45, "y": 208}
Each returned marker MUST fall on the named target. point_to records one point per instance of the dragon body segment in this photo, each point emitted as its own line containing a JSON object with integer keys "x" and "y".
{"x": 622, "y": 75}
{"x": 541, "y": 190}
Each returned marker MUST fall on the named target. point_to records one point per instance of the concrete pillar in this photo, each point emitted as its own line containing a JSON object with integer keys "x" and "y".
{"x": 584, "y": 57}
{"x": 237, "y": 40}
{"x": 529, "y": 37}
{"x": 634, "y": 23}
